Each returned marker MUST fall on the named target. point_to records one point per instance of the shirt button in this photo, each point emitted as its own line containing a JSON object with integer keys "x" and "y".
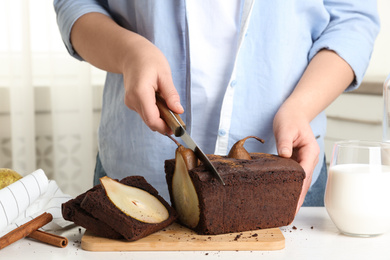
{"x": 233, "y": 83}
{"x": 222, "y": 132}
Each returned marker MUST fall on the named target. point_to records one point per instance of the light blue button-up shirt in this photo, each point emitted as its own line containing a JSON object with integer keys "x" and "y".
{"x": 276, "y": 42}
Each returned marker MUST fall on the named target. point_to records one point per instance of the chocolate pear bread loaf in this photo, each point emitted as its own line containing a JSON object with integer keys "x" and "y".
{"x": 104, "y": 213}
{"x": 259, "y": 193}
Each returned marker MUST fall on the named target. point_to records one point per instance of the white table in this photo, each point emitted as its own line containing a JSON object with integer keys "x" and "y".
{"x": 323, "y": 241}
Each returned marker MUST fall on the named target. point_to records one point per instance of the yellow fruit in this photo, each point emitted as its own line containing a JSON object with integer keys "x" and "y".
{"x": 7, "y": 177}
{"x": 184, "y": 193}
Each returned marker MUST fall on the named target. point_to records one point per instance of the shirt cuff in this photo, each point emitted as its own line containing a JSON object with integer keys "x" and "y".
{"x": 351, "y": 36}
{"x": 355, "y": 52}
{"x": 67, "y": 14}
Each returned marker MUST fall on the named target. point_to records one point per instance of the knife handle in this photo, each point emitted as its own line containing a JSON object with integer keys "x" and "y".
{"x": 169, "y": 117}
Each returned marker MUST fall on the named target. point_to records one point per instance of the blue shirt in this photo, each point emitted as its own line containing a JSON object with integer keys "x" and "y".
{"x": 277, "y": 41}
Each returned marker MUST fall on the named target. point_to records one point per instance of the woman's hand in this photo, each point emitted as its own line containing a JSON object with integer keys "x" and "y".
{"x": 145, "y": 72}
{"x": 324, "y": 79}
{"x": 295, "y": 139}
{"x": 108, "y": 46}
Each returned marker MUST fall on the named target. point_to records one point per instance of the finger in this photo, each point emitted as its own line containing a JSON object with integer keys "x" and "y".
{"x": 155, "y": 123}
{"x": 307, "y": 155}
{"x": 305, "y": 189}
{"x": 308, "y": 158}
{"x": 149, "y": 112}
{"x": 284, "y": 144}
{"x": 168, "y": 91}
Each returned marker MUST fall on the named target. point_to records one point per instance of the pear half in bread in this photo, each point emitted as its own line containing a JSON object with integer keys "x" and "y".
{"x": 185, "y": 197}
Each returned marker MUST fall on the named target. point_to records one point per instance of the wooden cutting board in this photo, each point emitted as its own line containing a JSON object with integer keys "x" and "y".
{"x": 178, "y": 238}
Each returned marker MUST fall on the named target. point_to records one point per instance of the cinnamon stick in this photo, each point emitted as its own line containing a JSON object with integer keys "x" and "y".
{"x": 25, "y": 229}
{"x": 49, "y": 238}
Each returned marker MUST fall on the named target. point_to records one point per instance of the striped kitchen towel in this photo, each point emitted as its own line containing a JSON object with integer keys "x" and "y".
{"x": 29, "y": 197}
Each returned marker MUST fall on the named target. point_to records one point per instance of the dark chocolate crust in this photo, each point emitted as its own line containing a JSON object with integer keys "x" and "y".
{"x": 99, "y": 205}
{"x": 259, "y": 193}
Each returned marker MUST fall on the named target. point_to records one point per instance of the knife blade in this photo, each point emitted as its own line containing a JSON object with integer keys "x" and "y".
{"x": 178, "y": 127}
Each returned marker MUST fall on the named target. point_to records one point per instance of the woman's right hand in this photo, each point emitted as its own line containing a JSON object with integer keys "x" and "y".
{"x": 145, "y": 72}
{"x": 108, "y": 46}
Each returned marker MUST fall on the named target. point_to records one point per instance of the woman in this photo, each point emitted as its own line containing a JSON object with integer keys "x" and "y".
{"x": 230, "y": 68}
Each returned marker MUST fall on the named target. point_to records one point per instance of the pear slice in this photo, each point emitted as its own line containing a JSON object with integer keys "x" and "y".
{"x": 184, "y": 194}
{"x": 135, "y": 202}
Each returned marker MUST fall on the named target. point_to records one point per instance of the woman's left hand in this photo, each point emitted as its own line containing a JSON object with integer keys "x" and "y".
{"x": 295, "y": 139}
{"x": 324, "y": 79}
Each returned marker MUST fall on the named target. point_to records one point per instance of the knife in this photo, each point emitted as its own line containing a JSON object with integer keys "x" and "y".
{"x": 178, "y": 127}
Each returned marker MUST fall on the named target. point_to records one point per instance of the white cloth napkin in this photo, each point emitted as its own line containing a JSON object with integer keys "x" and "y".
{"x": 28, "y": 198}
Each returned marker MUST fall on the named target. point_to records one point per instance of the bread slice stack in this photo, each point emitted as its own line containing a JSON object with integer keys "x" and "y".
{"x": 94, "y": 211}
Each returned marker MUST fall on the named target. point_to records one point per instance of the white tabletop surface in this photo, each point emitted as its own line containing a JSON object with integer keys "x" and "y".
{"x": 323, "y": 241}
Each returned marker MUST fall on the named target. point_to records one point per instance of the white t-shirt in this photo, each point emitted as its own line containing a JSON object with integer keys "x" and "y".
{"x": 213, "y": 35}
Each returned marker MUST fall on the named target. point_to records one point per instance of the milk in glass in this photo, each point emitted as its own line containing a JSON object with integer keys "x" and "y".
{"x": 357, "y": 198}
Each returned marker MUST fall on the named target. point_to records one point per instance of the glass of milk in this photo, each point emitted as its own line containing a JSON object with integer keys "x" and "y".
{"x": 357, "y": 195}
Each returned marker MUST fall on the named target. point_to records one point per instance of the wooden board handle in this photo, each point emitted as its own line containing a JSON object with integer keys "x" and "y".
{"x": 169, "y": 117}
